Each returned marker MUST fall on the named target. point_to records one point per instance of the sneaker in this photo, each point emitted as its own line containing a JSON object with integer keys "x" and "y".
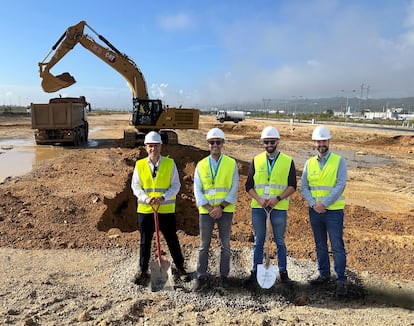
{"x": 251, "y": 279}
{"x": 200, "y": 283}
{"x": 141, "y": 278}
{"x": 284, "y": 278}
{"x": 341, "y": 289}
{"x": 224, "y": 282}
{"x": 183, "y": 275}
{"x": 320, "y": 280}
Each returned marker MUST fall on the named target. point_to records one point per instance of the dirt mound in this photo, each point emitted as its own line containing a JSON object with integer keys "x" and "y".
{"x": 395, "y": 141}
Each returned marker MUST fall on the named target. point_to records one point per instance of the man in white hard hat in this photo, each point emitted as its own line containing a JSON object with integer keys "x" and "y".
{"x": 155, "y": 181}
{"x": 216, "y": 179}
{"x": 270, "y": 182}
{"x": 323, "y": 184}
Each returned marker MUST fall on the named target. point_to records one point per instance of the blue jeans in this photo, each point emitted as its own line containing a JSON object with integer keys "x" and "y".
{"x": 278, "y": 219}
{"x": 329, "y": 224}
{"x": 206, "y": 230}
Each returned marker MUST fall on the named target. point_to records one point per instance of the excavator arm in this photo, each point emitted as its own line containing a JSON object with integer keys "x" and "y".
{"x": 110, "y": 55}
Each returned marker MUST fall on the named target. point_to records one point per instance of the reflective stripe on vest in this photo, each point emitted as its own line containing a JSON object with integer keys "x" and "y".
{"x": 217, "y": 192}
{"x": 277, "y": 183}
{"x": 322, "y": 182}
{"x": 155, "y": 187}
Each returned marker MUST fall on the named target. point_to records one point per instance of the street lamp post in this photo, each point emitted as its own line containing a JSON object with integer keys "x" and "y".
{"x": 296, "y": 101}
{"x": 347, "y": 98}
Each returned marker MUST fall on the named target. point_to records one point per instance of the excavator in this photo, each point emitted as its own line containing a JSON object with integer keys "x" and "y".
{"x": 147, "y": 114}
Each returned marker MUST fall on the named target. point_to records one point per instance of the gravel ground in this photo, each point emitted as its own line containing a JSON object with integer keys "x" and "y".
{"x": 94, "y": 287}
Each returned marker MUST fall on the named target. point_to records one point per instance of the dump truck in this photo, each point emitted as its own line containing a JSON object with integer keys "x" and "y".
{"x": 63, "y": 120}
{"x": 234, "y": 116}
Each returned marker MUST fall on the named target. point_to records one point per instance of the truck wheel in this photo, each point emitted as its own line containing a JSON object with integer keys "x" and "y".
{"x": 86, "y": 132}
{"x": 236, "y": 121}
{"x": 221, "y": 120}
{"x": 75, "y": 138}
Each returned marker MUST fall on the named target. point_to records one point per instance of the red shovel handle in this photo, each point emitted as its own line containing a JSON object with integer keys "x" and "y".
{"x": 157, "y": 231}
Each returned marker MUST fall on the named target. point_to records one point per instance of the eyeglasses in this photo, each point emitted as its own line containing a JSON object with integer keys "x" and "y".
{"x": 217, "y": 142}
{"x": 267, "y": 142}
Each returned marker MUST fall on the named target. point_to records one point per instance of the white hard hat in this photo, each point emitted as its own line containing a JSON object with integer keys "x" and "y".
{"x": 152, "y": 138}
{"x": 270, "y": 132}
{"x": 321, "y": 133}
{"x": 215, "y": 133}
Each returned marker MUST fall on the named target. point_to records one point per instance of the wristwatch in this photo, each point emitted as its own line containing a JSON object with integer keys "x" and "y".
{"x": 222, "y": 206}
{"x": 278, "y": 198}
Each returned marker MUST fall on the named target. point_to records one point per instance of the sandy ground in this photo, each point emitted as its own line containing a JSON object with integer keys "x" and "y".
{"x": 68, "y": 234}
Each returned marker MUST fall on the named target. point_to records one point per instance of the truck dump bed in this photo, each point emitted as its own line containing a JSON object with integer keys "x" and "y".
{"x": 57, "y": 115}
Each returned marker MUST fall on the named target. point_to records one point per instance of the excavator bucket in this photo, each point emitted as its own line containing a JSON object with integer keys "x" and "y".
{"x": 52, "y": 83}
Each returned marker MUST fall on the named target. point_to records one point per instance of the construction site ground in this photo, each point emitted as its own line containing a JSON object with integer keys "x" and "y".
{"x": 69, "y": 239}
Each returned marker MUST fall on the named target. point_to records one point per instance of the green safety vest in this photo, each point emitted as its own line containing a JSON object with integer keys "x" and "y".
{"x": 321, "y": 182}
{"x": 156, "y": 187}
{"x": 216, "y": 192}
{"x": 276, "y": 183}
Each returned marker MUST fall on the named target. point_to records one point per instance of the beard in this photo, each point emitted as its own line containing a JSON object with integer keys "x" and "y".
{"x": 271, "y": 149}
{"x": 322, "y": 149}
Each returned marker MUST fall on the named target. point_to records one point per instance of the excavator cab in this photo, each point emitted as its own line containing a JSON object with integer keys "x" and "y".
{"x": 52, "y": 83}
{"x": 146, "y": 112}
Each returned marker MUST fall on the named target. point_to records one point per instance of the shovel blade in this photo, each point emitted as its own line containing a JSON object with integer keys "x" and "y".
{"x": 161, "y": 276}
{"x": 266, "y": 275}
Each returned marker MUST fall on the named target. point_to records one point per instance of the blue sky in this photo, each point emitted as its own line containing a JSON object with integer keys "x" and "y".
{"x": 205, "y": 53}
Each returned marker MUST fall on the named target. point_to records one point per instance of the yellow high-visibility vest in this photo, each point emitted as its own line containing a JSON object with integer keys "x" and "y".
{"x": 275, "y": 183}
{"x": 321, "y": 182}
{"x": 155, "y": 187}
{"x": 216, "y": 190}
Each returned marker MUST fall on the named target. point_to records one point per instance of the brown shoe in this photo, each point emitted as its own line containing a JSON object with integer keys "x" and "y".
{"x": 183, "y": 275}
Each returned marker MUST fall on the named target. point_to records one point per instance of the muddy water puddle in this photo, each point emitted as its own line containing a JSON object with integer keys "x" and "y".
{"x": 19, "y": 156}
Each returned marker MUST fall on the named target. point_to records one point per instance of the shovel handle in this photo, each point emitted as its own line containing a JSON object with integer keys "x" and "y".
{"x": 268, "y": 211}
{"x": 157, "y": 232}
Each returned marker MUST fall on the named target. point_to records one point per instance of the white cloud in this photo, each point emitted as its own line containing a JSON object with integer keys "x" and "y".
{"x": 175, "y": 22}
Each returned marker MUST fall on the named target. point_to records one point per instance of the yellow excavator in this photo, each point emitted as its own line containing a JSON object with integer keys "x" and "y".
{"x": 147, "y": 114}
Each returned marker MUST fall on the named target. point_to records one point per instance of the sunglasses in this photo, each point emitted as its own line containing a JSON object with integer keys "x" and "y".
{"x": 267, "y": 142}
{"x": 217, "y": 142}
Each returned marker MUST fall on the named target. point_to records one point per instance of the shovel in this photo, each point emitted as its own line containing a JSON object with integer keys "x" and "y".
{"x": 266, "y": 273}
{"x": 161, "y": 276}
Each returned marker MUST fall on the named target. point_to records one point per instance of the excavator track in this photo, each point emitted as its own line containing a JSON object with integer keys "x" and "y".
{"x": 130, "y": 138}
{"x": 169, "y": 137}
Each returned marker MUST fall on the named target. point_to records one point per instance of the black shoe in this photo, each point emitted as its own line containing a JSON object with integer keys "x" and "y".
{"x": 200, "y": 283}
{"x": 183, "y": 275}
{"x": 341, "y": 289}
{"x": 320, "y": 280}
{"x": 224, "y": 282}
{"x": 251, "y": 279}
{"x": 284, "y": 278}
{"x": 141, "y": 278}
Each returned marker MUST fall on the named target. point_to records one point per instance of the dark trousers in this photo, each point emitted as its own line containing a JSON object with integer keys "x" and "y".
{"x": 168, "y": 228}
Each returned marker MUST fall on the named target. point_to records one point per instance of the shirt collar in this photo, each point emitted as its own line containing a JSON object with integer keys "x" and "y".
{"x": 156, "y": 164}
{"x": 323, "y": 159}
